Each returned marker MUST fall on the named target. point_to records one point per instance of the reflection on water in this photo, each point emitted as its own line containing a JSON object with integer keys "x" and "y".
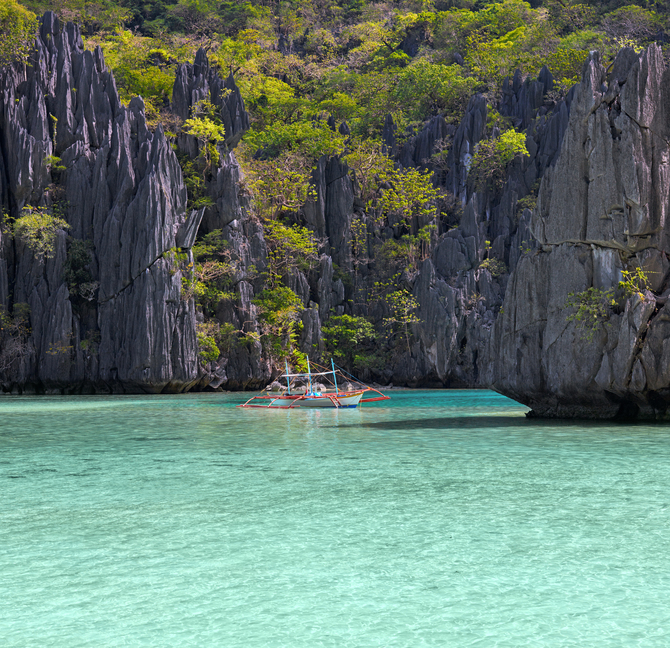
{"x": 434, "y": 519}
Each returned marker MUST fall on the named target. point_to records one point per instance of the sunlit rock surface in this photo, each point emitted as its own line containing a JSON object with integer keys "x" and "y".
{"x": 601, "y": 209}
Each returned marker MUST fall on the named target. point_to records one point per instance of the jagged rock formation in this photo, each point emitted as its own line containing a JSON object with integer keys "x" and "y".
{"x": 601, "y": 209}
{"x": 243, "y": 366}
{"x": 122, "y": 191}
{"x": 459, "y": 300}
{"x": 601, "y": 155}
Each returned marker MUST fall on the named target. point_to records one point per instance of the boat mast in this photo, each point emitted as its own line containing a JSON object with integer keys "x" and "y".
{"x": 332, "y": 364}
{"x": 288, "y": 380}
{"x": 309, "y": 375}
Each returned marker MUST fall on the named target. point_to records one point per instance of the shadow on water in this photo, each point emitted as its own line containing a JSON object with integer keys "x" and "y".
{"x": 487, "y": 422}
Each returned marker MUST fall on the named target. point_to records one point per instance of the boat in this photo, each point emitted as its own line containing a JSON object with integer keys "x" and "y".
{"x": 306, "y": 390}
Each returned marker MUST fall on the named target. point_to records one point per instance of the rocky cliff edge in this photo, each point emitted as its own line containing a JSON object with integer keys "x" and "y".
{"x": 601, "y": 217}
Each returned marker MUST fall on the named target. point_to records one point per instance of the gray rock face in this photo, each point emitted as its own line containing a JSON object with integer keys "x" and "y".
{"x": 601, "y": 154}
{"x": 198, "y": 81}
{"x": 243, "y": 366}
{"x": 521, "y": 100}
{"x": 418, "y": 149}
{"x": 193, "y": 84}
{"x": 122, "y": 191}
{"x": 458, "y": 299}
{"x": 469, "y": 132}
{"x": 339, "y": 208}
{"x": 601, "y": 209}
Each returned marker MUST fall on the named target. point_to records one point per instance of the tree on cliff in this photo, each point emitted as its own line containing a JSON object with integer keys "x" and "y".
{"x": 38, "y": 229}
{"x": 18, "y": 27}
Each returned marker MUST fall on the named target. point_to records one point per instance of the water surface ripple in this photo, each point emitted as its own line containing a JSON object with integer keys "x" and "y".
{"x": 440, "y": 518}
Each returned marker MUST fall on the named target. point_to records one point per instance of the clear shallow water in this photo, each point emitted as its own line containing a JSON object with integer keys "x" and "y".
{"x": 439, "y": 518}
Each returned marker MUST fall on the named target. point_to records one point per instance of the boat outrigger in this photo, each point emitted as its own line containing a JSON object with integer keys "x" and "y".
{"x": 301, "y": 390}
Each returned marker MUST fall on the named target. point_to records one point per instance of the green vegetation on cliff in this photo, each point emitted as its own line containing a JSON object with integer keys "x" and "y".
{"x": 17, "y": 26}
{"x": 321, "y": 78}
{"x": 300, "y": 62}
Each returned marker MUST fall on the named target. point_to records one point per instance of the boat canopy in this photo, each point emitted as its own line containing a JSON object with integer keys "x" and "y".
{"x": 306, "y": 375}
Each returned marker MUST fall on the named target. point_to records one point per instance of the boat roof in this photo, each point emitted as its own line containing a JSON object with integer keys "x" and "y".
{"x": 306, "y": 375}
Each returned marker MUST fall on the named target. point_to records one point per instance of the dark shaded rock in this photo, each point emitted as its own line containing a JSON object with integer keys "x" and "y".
{"x": 122, "y": 191}
{"x": 419, "y": 149}
{"x": 338, "y": 210}
{"x": 223, "y": 187}
{"x": 315, "y": 208}
{"x": 469, "y": 132}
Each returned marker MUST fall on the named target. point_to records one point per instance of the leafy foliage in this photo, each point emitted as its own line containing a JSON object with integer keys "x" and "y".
{"x": 632, "y": 26}
{"x": 405, "y": 253}
{"x": 402, "y": 306}
{"x": 348, "y": 339}
{"x": 279, "y": 185}
{"x": 14, "y": 333}
{"x": 352, "y": 59}
{"x": 215, "y": 339}
{"x": 592, "y": 309}
{"x": 208, "y": 279}
{"x": 142, "y": 66}
{"x": 18, "y": 27}
{"x": 208, "y": 133}
{"x": 593, "y": 306}
{"x": 311, "y": 139}
{"x": 194, "y": 178}
{"x": 495, "y": 266}
{"x": 205, "y": 125}
{"x": 208, "y": 349}
{"x": 279, "y": 311}
{"x": 492, "y": 156}
{"x": 76, "y": 270}
{"x": 53, "y": 163}
{"x": 425, "y": 88}
{"x": 289, "y": 248}
{"x": 634, "y": 282}
{"x": 38, "y": 230}
{"x": 409, "y": 194}
{"x": 93, "y": 16}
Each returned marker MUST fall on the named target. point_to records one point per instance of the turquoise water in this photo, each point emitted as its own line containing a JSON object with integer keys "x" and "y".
{"x": 439, "y": 518}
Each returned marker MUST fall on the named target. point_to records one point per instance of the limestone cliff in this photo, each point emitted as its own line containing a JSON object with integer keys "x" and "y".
{"x": 119, "y": 187}
{"x": 68, "y": 145}
{"x": 601, "y": 210}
